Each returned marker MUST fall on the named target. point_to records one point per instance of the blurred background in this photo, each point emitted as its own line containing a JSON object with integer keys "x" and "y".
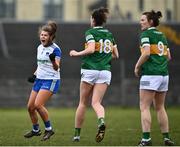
{"x": 19, "y": 23}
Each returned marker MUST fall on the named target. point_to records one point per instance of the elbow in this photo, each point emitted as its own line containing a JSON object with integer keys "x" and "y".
{"x": 147, "y": 55}
{"x": 91, "y": 51}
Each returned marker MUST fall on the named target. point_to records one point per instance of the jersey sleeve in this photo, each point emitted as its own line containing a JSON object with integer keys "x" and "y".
{"x": 144, "y": 39}
{"x": 89, "y": 37}
{"x": 57, "y": 52}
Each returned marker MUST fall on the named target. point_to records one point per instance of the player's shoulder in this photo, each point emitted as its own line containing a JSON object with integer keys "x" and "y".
{"x": 55, "y": 46}
{"x": 89, "y": 31}
{"x": 40, "y": 46}
{"x": 144, "y": 33}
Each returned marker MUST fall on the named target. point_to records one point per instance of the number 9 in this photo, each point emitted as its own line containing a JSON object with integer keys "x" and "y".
{"x": 161, "y": 48}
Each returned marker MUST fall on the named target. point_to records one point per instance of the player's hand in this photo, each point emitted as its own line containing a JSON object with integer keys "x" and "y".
{"x": 73, "y": 53}
{"x": 31, "y": 79}
{"x": 52, "y": 57}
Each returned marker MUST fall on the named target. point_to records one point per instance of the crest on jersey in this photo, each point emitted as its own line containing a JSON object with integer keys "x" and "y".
{"x": 47, "y": 53}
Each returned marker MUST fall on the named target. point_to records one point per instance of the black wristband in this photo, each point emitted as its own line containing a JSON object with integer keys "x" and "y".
{"x": 52, "y": 57}
{"x": 31, "y": 79}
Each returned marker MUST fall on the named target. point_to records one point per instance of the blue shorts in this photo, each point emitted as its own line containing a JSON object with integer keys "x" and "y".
{"x": 51, "y": 85}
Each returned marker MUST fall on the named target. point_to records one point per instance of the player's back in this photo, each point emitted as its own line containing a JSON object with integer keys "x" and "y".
{"x": 157, "y": 62}
{"x": 104, "y": 41}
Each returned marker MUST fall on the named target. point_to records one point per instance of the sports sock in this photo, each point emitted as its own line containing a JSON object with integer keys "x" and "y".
{"x": 47, "y": 125}
{"x": 165, "y": 135}
{"x": 77, "y": 131}
{"x": 146, "y": 135}
{"x": 35, "y": 127}
{"x": 101, "y": 121}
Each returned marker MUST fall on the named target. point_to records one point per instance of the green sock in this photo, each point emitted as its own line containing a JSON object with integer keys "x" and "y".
{"x": 165, "y": 135}
{"x": 77, "y": 131}
{"x": 101, "y": 121}
{"x": 146, "y": 135}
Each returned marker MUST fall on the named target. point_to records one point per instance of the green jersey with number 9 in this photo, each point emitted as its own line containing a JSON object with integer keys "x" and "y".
{"x": 104, "y": 42}
{"x": 157, "y": 64}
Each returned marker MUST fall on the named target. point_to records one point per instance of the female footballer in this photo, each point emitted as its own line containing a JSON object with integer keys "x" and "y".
{"x": 152, "y": 66}
{"x": 99, "y": 50}
{"x": 46, "y": 80}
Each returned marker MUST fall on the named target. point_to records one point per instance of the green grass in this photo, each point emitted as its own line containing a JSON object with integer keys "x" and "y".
{"x": 123, "y": 127}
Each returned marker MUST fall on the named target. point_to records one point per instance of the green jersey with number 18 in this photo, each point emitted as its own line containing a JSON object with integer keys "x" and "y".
{"x": 157, "y": 64}
{"x": 104, "y": 42}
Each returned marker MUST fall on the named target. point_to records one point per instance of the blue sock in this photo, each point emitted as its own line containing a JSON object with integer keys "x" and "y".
{"x": 36, "y": 127}
{"x": 48, "y": 125}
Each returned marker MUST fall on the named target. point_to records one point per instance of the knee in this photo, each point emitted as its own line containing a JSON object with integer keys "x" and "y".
{"x": 30, "y": 108}
{"x": 159, "y": 108}
{"x": 144, "y": 107}
{"x": 94, "y": 103}
{"x": 82, "y": 105}
{"x": 37, "y": 106}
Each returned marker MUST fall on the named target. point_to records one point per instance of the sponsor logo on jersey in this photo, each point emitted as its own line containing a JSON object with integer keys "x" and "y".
{"x": 146, "y": 39}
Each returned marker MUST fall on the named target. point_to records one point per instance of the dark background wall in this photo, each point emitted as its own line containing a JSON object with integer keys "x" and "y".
{"x": 22, "y": 41}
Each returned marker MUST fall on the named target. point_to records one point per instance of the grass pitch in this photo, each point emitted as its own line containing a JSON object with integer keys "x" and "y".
{"x": 123, "y": 127}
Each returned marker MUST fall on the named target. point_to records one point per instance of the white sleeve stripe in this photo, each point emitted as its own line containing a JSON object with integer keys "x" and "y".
{"x": 146, "y": 44}
{"x": 91, "y": 41}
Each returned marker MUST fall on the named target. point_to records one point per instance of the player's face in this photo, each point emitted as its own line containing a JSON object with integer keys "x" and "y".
{"x": 144, "y": 22}
{"x": 45, "y": 38}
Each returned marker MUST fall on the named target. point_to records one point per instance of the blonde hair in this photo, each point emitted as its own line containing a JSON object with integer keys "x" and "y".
{"x": 50, "y": 27}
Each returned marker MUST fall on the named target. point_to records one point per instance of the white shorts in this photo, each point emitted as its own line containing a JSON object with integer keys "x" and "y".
{"x": 95, "y": 76}
{"x": 157, "y": 83}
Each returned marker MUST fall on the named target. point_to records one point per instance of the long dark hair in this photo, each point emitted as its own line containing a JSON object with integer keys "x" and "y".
{"x": 154, "y": 16}
{"x": 100, "y": 16}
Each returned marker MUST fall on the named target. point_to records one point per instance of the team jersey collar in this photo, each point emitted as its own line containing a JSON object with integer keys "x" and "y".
{"x": 51, "y": 43}
{"x": 96, "y": 27}
{"x": 152, "y": 28}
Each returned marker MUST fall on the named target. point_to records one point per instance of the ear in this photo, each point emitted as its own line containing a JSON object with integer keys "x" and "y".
{"x": 151, "y": 22}
{"x": 52, "y": 37}
{"x": 94, "y": 22}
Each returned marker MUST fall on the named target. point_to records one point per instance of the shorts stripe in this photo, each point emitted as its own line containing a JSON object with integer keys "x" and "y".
{"x": 53, "y": 85}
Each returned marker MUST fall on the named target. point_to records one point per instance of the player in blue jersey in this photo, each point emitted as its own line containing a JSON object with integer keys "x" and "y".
{"x": 46, "y": 80}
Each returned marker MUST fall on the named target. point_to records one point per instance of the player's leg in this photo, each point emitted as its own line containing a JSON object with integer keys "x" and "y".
{"x": 162, "y": 116}
{"x": 41, "y": 99}
{"x": 98, "y": 93}
{"x": 146, "y": 98}
{"x": 102, "y": 81}
{"x": 85, "y": 92}
{"x": 33, "y": 115}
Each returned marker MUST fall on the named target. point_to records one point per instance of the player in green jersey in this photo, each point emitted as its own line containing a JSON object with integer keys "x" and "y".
{"x": 100, "y": 48}
{"x": 152, "y": 66}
